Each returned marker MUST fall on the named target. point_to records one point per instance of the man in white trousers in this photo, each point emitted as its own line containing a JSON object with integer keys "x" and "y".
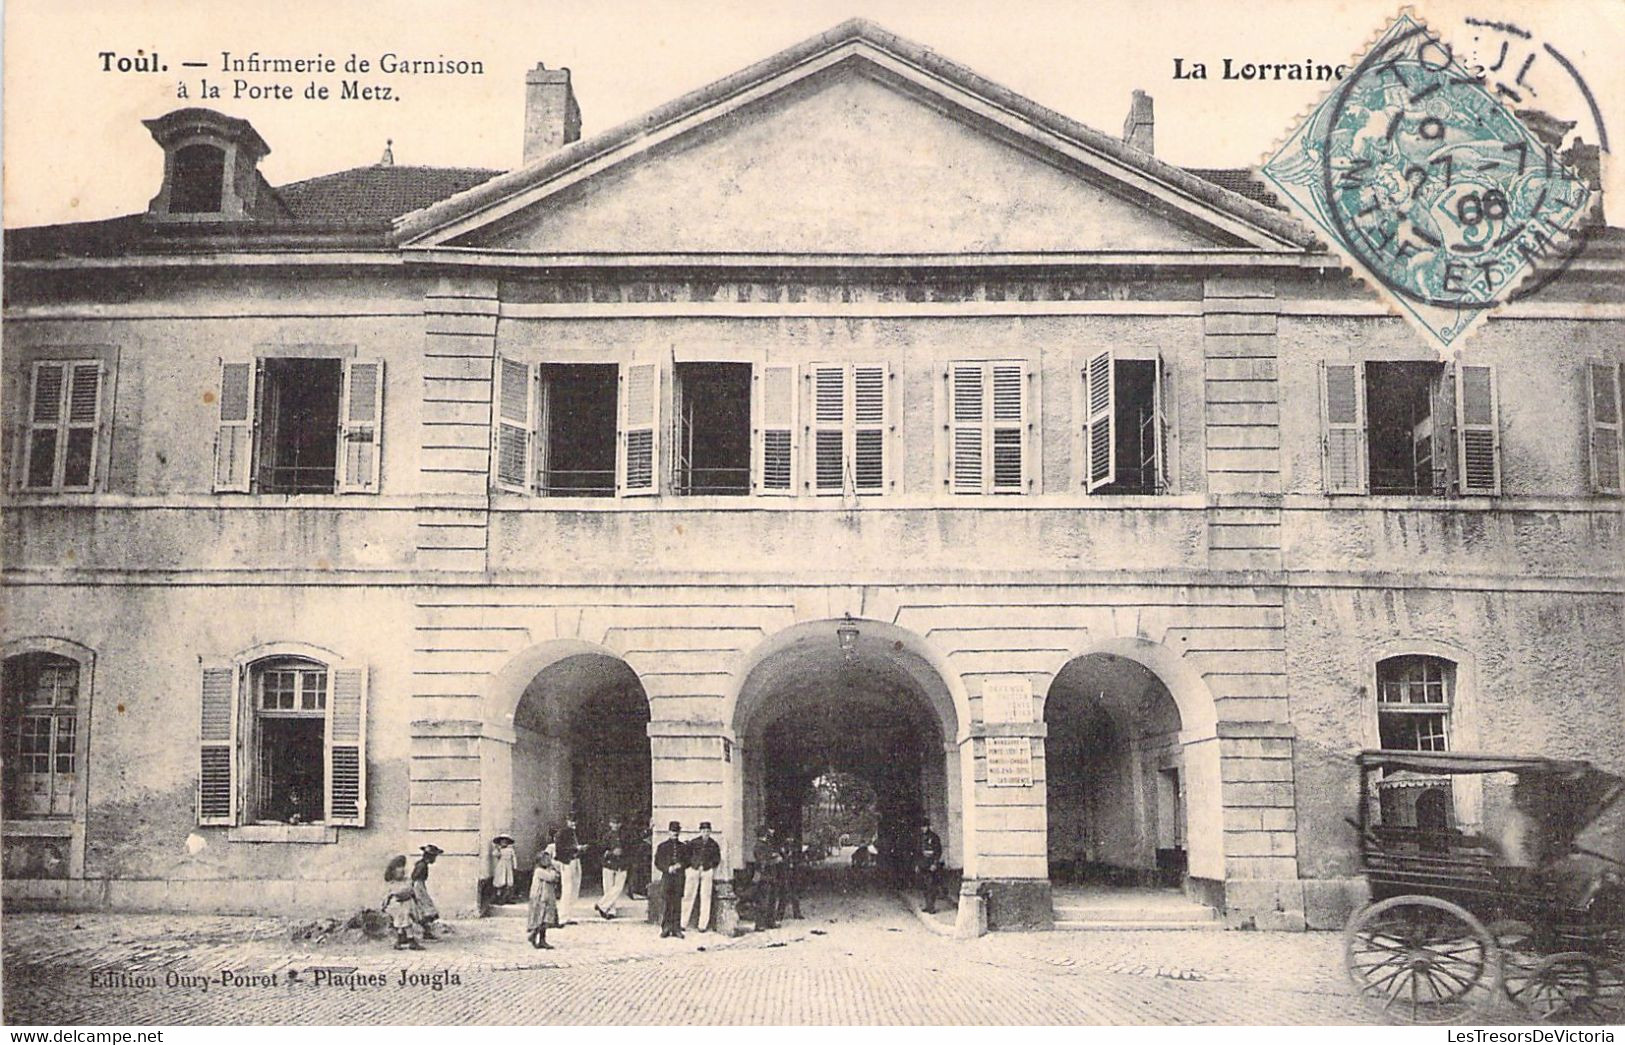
{"x": 567, "y": 854}
{"x": 704, "y": 856}
{"x": 616, "y": 859}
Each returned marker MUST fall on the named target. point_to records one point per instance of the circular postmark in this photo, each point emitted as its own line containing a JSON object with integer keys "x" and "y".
{"x": 1436, "y": 187}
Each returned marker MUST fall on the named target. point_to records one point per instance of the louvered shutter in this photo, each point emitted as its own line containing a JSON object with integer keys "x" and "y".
{"x": 640, "y": 426}
{"x": 1342, "y": 403}
{"x": 510, "y": 458}
{"x": 361, "y": 428}
{"x": 217, "y": 747}
{"x": 1478, "y": 435}
{"x": 1100, "y": 427}
{"x": 1009, "y": 434}
{"x": 869, "y": 428}
{"x": 1161, "y": 433}
{"x": 1603, "y": 426}
{"x": 966, "y": 429}
{"x": 44, "y": 426}
{"x": 829, "y": 428}
{"x": 775, "y": 429}
{"x": 347, "y": 747}
{"x": 84, "y": 416}
{"x": 234, "y": 439}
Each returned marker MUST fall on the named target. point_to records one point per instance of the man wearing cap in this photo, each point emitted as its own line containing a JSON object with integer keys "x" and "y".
{"x": 930, "y": 865}
{"x": 615, "y": 862}
{"x": 567, "y": 854}
{"x": 424, "y": 909}
{"x": 704, "y": 854}
{"x": 765, "y": 892}
{"x": 671, "y": 860}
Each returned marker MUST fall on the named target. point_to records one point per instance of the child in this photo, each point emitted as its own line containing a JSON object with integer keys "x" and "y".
{"x": 503, "y": 863}
{"x": 544, "y": 899}
{"x": 399, "y": 907}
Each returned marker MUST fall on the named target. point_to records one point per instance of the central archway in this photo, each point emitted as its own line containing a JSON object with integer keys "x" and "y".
{"x": 853, "y": 698}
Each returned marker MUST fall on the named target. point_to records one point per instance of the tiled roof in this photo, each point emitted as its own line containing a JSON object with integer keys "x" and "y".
{"x": 377, "y": 194}
{"x": 1239, "y": 180}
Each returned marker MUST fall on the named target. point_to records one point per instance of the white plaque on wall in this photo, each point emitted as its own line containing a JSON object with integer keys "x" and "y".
{"x": 1007, "y": 700}
{"x": 1009, "y": 762}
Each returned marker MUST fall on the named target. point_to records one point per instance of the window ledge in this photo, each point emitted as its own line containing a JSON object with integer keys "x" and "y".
{"x": 310, "y": 834}
{"x": 54, "y": 828}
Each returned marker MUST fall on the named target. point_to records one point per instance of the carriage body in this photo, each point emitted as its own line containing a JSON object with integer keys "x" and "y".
{"x": 1455, "y": 918}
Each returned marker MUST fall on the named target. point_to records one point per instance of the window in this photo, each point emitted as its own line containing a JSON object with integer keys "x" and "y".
{"x": 298, "y": 425}
{"x": 1410, "y": 428}
{"x": 713, "y": 453}
{"x": 64, "y": 422}
{"x": 988, "y": 427}
{"x": 41, "y": 693}
{"x": 562, "y": 415}
{"x": 849, "y": 428}
{"x": 1126, "y": 431}
{"x": 1414, "y": 695}
{"x": 282, "y": 741}
{"x": 1603, "y": 416}
{"x": 199, "y": 180}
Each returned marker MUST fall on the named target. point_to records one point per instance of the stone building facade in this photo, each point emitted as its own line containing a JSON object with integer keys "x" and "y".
{"x": 851, "y": 411}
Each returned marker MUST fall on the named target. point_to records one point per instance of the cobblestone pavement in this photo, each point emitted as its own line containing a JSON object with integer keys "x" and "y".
{"x": 863, "y": 959}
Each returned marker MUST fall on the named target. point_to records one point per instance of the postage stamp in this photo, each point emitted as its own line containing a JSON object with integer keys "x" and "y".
{"x": 1429, "y": 184}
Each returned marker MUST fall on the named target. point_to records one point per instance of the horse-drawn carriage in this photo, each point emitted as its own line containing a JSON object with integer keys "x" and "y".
{"x": 1456, "y": 918}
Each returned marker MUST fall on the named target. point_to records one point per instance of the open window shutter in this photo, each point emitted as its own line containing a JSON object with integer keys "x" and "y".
{"x": 234, "y": 440}
{"x": 217, "y": 747}
{"x": 361, "y": 428}
{"x": 1603, "y": 426}
{"x": 775, "y": 428}
{"x": 1478, "y": 435}
{"x": 510, "y": 463}
{"x": 347, "y": 747}
{"x": 1009, "y": 427}
{"x": 1444, "y": 428}
{"x": 640, "y": 421}
{"x": 829, "y": 427}
{"x": 1160, "y": 433}
{"x": 869, "y": 428}
{"x": 541, "y": 444}
{"x": 967, "y": 427}
{"x": 1100, "y": 429}
{"x": 1342, "y": 395}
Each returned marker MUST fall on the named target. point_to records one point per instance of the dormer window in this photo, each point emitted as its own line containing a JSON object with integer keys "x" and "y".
{"x": 200, "y": 176}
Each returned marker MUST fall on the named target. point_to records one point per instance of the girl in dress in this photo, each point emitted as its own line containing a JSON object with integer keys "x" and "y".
{"x": 399, "y": 907}
{"x": 503, "y": 863}
{"x": 544, "y": 899}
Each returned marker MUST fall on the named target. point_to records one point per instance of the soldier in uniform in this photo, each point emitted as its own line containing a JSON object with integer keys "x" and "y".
{"x": 671, "y": 858}
{"x": 790, "y": 877}
{"x": 615, "y": 862}
{"x": 929, "y": 865}
{"x": 766, "y": 891}
{"x": 704, "y": 854}
{"x": 567, "y": 853}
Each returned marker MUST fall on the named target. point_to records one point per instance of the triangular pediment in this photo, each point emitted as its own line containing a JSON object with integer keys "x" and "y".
{"x": 855, "y": 147}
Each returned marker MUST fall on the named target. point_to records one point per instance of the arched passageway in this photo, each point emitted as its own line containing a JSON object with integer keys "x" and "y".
{"x": 1118, "y": 783}
{"x": 580, "y": 744}
{"x": 848, "y": 699}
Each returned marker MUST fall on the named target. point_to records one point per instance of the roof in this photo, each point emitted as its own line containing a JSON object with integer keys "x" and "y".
{"x": 1240, "y": 181}
{"x": 377, "y": 194}
{"x": 1470, "y": 762}
{"x": 503, "y": 190}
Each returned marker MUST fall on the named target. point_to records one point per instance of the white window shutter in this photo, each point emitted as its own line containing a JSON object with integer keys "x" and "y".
{"x": 775, "y": 429}
{"x": 234, "y": 439}
{"x": 1161, "y": 434}
{"x": 217, "y": 746}
{"x": 1478, "y": 432}
{"x": 1100, "y": 428}
{"x": 829, "y": 428}
{"x": 1342, "y": 406}
{"x": 346, "y": 797}
{"x": 84, "y": 419}
{"x": 510, "y": 457}
{"x": 1603, "y": 426}
{"x": 869, "y": 428}
{"x": 967, "y": 420}
{"x": 640, "y": 429}
{"x": 44, "y": 440}
{"x": 361, "y": 426}
{"x": 1009, "y": 427}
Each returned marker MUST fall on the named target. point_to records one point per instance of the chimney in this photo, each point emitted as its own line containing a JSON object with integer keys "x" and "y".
{"x": 552, "y": 118}
{"x": 1138, "y": 128}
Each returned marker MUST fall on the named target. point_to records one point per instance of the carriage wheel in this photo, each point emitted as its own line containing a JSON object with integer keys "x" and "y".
{"x": 1574, "y": 987}
{"x": 1419, "y": 959}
